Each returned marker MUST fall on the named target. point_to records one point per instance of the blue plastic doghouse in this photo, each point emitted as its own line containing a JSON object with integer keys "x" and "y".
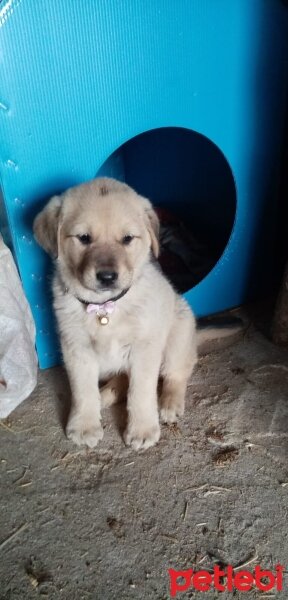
{"x": 183, "y": 99}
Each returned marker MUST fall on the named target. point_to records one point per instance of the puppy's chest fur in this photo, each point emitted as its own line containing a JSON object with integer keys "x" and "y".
{"x": 113, "y": 343}
{"x": 112, "y": 355}
{"x": 140, "y": 318}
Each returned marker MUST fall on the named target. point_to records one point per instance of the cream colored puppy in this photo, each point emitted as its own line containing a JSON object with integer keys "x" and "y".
{"x": 116, "y": 311}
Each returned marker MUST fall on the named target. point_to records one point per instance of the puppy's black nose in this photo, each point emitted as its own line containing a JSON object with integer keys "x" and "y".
{"x": 106, "y": 277}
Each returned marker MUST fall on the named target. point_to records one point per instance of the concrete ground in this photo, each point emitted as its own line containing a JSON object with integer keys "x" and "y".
{"x": 108, "y": 523}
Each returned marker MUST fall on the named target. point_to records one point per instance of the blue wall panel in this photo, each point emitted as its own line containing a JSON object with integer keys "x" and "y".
{"x": 79, "y": 79}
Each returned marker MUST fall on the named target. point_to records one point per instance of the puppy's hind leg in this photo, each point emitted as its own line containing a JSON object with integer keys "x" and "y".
{"x": 180, "y": 358}
{"x": 114, "y": 390}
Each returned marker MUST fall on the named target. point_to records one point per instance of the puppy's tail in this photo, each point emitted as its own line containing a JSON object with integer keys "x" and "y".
{"x": 215, "y": 333}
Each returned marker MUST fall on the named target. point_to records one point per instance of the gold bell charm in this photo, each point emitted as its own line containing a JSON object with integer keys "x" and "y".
{"x": 103, "y": 319}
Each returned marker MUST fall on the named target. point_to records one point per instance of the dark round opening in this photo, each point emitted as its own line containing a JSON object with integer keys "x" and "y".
{"x": 191, "y": 185}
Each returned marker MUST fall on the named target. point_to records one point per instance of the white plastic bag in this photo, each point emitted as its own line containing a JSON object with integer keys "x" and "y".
{"x": 18, "y": 359}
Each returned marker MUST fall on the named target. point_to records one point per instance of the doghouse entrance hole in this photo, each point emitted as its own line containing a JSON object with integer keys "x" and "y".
{"x": 189, "y": 181}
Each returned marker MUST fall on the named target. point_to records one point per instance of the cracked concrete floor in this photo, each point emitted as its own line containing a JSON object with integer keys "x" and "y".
{"x": 108, "y": 523}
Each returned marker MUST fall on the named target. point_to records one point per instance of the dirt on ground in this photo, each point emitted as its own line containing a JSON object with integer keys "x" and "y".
{"x": 108, "y": 523}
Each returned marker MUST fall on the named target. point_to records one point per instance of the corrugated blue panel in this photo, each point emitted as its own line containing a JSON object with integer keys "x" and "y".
{"x": 79, "y": 79}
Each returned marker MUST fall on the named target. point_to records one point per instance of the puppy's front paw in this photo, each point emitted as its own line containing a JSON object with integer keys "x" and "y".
{"x": 84, "y": 432}
{"x": 141, "y": 437}
{"x": 169, "y": 415}
{"x": 170, "y": 410}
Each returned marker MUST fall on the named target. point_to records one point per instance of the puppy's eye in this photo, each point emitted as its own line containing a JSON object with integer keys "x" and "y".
{"x": 127, "y": 239}
{"x": 85, "y": 239}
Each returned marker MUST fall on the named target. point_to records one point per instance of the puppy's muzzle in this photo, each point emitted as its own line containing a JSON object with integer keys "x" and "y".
{"x": 106, "y": 278}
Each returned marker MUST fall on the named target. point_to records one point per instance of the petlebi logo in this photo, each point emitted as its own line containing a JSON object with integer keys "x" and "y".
{"x": 226, "y": 580}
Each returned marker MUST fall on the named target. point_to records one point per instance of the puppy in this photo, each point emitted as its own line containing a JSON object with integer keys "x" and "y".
{"x": 116, "y": 311}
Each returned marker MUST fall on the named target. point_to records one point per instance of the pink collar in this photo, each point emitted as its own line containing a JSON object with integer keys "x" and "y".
{"x": 102, "y": 310}
{"x": 107, "y": 308}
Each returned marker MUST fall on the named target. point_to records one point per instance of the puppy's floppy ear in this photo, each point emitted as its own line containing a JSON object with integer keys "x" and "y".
{"x": 45, "y": 226}
{"x": 153, "y": 226}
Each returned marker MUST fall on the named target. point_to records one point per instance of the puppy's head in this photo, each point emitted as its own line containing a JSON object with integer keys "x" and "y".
{"x": 102, "y": 233}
